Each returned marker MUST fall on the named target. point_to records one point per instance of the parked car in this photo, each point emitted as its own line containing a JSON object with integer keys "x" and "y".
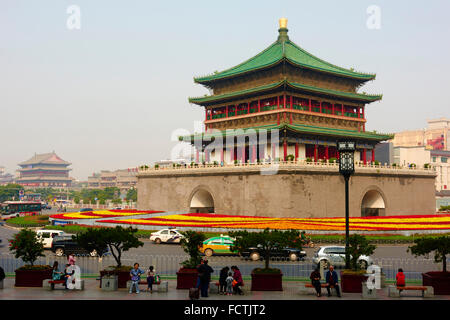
{"x": 167, "y": 236}
{"x": 47, "y": 236}
{"x": 257, "y": 253}
{"x": 335, "y": 255}
{"x": 218, "y": 245}
{"x": 86, "y": 210}
{"x": 62, "y": 245}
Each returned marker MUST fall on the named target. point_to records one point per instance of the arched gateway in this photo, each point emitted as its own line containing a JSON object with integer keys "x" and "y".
{"x": 372, "y": 204}
{"x": 202, "y": 202}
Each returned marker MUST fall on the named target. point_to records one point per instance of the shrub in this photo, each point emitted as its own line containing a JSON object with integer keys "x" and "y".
{"x": 290, "y": 157}
{"x": 333, "y": 159}
{"x": 25, "y": 245}
{"x": 156, "y": 166}
{"x": 308, "y": 160}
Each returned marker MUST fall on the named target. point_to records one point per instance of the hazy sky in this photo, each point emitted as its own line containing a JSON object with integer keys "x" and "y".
{"x": 110, "y": 94}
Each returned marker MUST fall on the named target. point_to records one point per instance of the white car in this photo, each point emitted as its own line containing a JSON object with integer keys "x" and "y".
{"x": 335, "y": 256}
{"x": 46, "y": 236}
{"x": 166, "y": 236}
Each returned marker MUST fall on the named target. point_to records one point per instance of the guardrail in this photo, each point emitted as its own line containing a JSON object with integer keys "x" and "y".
{"x": 168, "y": 265}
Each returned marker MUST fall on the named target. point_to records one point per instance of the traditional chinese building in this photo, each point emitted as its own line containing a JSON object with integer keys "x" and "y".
{"x": 309, "y": 102}
{"x": 285, "y": 104}
{"x": 44, "y": 170}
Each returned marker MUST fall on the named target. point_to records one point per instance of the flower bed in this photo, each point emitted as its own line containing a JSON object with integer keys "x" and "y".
{"x": 100, "y": 214}
{"x": 204, "y": 220}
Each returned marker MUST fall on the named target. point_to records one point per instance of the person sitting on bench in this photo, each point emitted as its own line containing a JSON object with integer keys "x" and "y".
{"x": 400, "y": 278}
{"x": 332, "y": 281}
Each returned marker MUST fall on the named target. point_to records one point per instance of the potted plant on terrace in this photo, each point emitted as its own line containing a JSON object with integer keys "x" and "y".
{"x": 115, "y": 240}
{"x": 187, "y": 275}
{"x": 267, "y": 241}
{"x": 25, "y": 245}
{"x": 439, "y": 280}
{"x": 354, "y": 277}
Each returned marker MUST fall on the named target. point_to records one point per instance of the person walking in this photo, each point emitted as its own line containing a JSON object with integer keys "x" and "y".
{"x": 229, "y": 280}
{"x": 223, "y": 280}
{"x": 315, "y": 281}
{"x": 150, "y": 279}
{"x": 135, "y": 274}
{"x": 237, "y": 276}
{"x": 204, "y": 272}
{"x": 400, "y": 278}
{"x": 332, "y": 281}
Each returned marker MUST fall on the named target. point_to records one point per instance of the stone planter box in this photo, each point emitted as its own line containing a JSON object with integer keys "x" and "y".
{"x": 187, "y": 278}
{"x": 440, "y": 281}
{"x": 267, "y": 282}
{"x": 352, "y": 283}
{"x": 122, "y": 277}
{"x": 32, "y": 278}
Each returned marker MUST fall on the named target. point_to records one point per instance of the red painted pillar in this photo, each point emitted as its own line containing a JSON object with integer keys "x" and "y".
{"x": 197, "y": 157}
{"x": 284, "y": 101}
{"x": 278, "y": 119}
{"x": 342, "y": 109}
{"x": 227, "y": 111}
{"x": 373, "y": 154}
{"x": 259, "y": 105}
{"x": 357, "y": 111}
{"x": 253, "y": 154}
{"x": 221, "y": 156}
{"x": 332, "y": 108}
{"x": 248, "y": 108}
{"x": 315, "y": 152}
{"x": 278, "y": 102}
{"x": 296, "y": 151}
{"x": 285, "y": 149}
{"x": 364, "y": 156}
{"x": 291, "y": 99}
{"x": 320, "y": 106}
{"x": 326, "y": 153}
{"x": 309, "y": 100}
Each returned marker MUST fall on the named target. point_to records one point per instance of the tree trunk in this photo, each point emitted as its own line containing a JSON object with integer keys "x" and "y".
{"x": 114, "y": 255}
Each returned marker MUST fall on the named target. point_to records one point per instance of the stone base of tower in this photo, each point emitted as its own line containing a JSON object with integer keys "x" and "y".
{"x": 289, "y": 190}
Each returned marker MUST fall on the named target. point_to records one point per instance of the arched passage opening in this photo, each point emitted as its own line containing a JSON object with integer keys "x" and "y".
{"x": 202, "y": 202}
{"x": 372, "y": 204}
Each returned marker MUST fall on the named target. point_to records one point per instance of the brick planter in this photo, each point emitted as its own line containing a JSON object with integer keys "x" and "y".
{"x": 267, "y": 282}
{"x": 32, "y": 278}
{"x": 187, "y": 278}
{"x": 122, "y": 276}
{"x": 440, "y": 281}
{"x": 352, "y": 283}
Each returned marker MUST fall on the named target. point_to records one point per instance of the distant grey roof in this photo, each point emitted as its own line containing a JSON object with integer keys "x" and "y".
{"x": 44, "y": 158}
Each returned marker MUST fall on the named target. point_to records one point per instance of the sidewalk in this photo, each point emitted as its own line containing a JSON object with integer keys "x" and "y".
{"x": 93, "y": 292}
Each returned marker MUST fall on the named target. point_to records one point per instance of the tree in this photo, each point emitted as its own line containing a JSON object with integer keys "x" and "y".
{"x": 268, "y": 240}
{"x": 117, "y": 239}
{"x": 191, "y": 242}
{"x": 132, "y": 195}
{"x": 26, "y": 246}
{"x": 116, "y": 201}
{"x": 10, "y": 192}
{"x": 358, "y": 245}
{"x": 440, "y": 246}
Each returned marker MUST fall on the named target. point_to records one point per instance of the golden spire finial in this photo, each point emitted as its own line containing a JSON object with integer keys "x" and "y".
{"x": 283, "y": 23}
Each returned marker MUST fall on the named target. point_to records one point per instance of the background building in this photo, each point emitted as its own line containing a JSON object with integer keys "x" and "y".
{"x": 124, "y": 179}
{"x": 44, "y": 170}
{"x": 435, "y": 137}
{"x": 5, "y": 178}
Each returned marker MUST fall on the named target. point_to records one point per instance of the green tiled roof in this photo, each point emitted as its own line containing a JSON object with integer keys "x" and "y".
{"x": 334, "y": 93}
{"x": 288, "y": 51}
{"x": 300, "y": 128}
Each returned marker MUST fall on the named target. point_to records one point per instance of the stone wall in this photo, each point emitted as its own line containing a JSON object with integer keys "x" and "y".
{"x": 292, "y": 192}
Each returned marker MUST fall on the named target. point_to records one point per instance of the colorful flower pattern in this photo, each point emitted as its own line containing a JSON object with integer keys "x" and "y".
{"x": 390, "y": 223}
{"x": 100, "y": 214}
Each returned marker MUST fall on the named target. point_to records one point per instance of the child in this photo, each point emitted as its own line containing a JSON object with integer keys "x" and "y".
{"x": 229, "y": 281}
{"x": 150, "y": 279}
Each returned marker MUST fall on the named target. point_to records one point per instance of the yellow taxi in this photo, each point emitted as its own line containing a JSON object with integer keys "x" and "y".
{"x": 217, "y": 245}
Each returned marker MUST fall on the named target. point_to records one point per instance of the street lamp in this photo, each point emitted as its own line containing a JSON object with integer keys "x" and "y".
{"x": 346, "y": 151}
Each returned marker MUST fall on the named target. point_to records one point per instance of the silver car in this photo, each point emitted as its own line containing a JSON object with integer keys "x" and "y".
{"x": 335, "y": 255}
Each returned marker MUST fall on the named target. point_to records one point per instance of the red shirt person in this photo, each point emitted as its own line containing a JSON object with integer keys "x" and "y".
{"x": 400, "y": 278}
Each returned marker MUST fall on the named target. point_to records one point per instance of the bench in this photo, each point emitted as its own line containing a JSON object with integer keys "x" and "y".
{"x": 427, "y": 291}
{"x": 49, "y": 284}
{"x": 162, "y": 286}
{"x": 305, "y": 285}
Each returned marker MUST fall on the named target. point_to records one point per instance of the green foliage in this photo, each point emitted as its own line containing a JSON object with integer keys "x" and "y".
{"x": 76, "y": 199}
{"x": 308, "y": 160}
{"x": 444, "y": 208}
{"x": 26, "y": 246}
{"x": 132, "y": 195}
{"x": 191, "y": 243}
{"x": 116, "y": 201}
{"x": 28, "y": 221}
{"x": 268, "y": 240}
{"x": 427, "y": 165}
{"x": 332, "y": 159}
{"x": 10, "y": 192}
{"x": 117, "y": 239}
{"x": 440, "y": 246}
{"x": 290, "y": 157}
{"x": 358, "y": 245}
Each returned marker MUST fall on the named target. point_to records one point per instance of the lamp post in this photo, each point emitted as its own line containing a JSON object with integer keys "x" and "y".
{"x": 346, "y": 151}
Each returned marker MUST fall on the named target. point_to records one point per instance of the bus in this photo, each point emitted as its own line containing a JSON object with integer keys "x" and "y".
{"x": 12, "y": 209}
